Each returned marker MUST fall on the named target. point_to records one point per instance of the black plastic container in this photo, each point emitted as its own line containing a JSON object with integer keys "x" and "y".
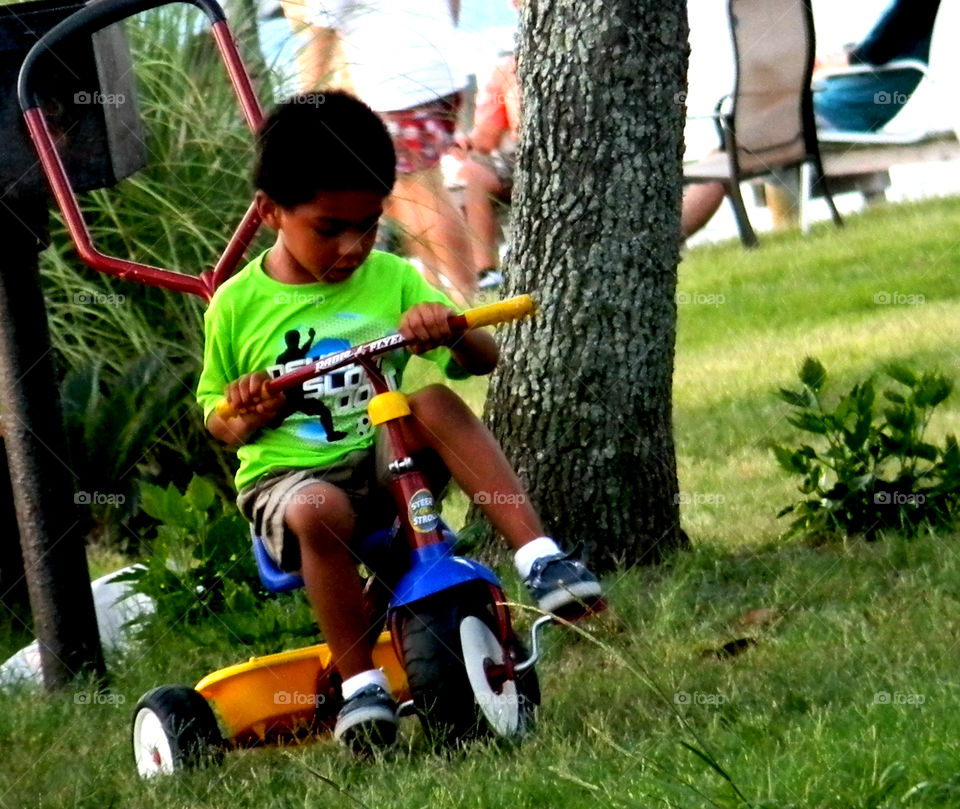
{"x": 88, "y": 96}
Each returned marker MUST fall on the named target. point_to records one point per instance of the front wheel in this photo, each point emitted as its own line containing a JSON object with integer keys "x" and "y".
{"x": 458, "y": 668}
{"x": 174, "y": 728}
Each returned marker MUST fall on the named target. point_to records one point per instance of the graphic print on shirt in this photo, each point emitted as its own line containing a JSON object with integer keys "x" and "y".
{"x": 341, "y": 394}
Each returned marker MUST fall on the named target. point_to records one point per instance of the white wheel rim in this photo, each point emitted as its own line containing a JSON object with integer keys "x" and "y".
{"x": 151, "y": 745}
{"x": 479, "y": 644}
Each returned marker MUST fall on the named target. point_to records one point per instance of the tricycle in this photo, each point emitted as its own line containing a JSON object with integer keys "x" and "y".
{"x": 450, "y": 652}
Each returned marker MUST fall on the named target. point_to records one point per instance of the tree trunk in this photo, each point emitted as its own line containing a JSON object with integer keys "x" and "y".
{"x": 582, "y": 401}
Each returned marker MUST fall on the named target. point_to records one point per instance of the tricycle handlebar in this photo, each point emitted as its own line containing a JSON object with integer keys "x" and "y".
{"x": 515, "y": 308}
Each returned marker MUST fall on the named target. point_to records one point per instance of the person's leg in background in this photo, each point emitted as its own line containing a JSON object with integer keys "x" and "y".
{"x": 481, "y": 187}
{"x": 434, "y": 230}
{"x": 433, "y": 224}
{"x": 700, "y": 203}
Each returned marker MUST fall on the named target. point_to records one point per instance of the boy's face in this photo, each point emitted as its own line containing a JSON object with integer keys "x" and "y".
{"x": 325, "y": 239}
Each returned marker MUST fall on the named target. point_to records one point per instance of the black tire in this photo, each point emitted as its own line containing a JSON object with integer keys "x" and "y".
{"x": 174, "y": 729}
{"x": 453, "y": 710}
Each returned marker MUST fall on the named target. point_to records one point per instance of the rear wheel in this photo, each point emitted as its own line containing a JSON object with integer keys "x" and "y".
{"x": 457, "y": 670}
{"x": 173, "y": 729}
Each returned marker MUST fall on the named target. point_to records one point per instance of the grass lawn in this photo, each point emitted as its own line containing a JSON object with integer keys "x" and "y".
{"x": 845, "y": 692}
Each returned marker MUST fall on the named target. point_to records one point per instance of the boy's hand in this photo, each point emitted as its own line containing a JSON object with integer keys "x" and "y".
{"x": 427, "y": 326}
{"x": 246, "y": 397}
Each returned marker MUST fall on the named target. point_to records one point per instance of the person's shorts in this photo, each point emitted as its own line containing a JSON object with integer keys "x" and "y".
{"x": 361, "y": 475}
{"x": 423, "y": 134}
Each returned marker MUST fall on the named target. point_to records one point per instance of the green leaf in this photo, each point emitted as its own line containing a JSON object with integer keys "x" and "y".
{"x": 792, "y": 397}
{"x": 901, "y": 373}
{"x": 793, "y": 462}
{"x": 810, "y": 422}
{"x": 200, "y": 494}
{"x": 932, "y": 390}
{"x": 894, "y": 397}
{"x": 951, "y": 454}
{"x": 926, "y": 451}
{"x": 866, "y": 395}
{"x": 856, "y": 438}
{"x": 165, "y": 505}
{"x": 901, "y": 419}
{"x": 812, "y": 373}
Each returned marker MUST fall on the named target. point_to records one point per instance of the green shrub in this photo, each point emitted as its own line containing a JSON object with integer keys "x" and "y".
{"x": 202, "y": 578}
{"x": 111, "y": 423}
{"x": 874, "y": 469}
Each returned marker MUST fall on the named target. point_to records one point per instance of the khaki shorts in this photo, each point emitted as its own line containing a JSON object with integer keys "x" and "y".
{"x": 362, "y": 476}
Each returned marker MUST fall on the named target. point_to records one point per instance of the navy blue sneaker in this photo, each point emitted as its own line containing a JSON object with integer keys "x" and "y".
{"x": 367, "y": 720}
{"x": 561, "y": 583}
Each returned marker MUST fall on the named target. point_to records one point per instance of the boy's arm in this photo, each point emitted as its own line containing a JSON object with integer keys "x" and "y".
{"x": 214, "y": 385}
{"x": 252, "y": 411}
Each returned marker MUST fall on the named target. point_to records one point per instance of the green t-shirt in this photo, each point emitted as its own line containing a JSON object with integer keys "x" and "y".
{"x": 255, "y": 323}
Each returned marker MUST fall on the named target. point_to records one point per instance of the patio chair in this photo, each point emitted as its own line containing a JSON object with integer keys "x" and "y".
{"x": 767, "y": 123}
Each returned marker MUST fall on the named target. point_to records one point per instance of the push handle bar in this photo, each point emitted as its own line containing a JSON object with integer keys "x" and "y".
{"x": 88, "y": 20}
{"x": 501, "y": 312}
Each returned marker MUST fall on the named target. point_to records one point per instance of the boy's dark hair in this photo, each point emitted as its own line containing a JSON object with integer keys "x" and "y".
{"x": 328, "y": 141}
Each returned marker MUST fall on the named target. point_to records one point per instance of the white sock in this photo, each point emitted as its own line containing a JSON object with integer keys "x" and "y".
{"x": 360, "y": 681}
{"x": 524, "y": 558}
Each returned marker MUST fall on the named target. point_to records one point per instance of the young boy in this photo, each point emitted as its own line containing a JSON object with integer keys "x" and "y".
{"x": 325, "y": 165}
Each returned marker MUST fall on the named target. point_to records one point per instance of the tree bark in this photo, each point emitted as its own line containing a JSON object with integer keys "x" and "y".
{"x": 582, "y": 402}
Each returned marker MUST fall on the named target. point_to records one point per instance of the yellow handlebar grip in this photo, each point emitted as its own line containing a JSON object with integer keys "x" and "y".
{"x": 227, "y": 411}
{"x": 500, "y": 312}
{"x": 224, "y": 409}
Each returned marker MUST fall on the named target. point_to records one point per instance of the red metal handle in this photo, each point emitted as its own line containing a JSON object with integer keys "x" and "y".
{"x": 91, "y": 18}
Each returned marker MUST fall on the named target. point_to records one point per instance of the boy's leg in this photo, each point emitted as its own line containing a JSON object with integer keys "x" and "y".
{"x": 322, "y": 518}
{"x": 443, "y": 422}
